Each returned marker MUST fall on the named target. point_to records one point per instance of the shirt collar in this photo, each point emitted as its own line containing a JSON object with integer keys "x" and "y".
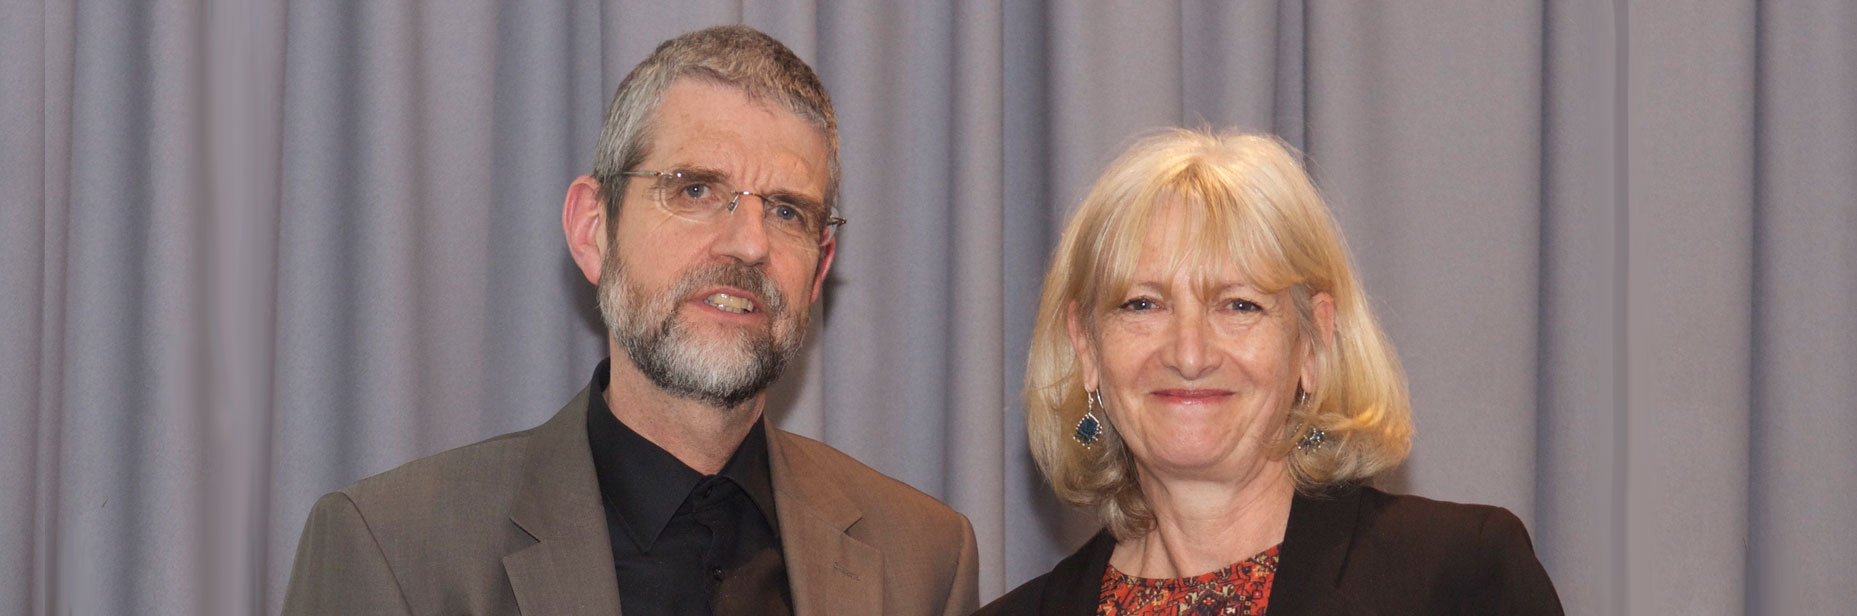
{"x": 644, "y": 484}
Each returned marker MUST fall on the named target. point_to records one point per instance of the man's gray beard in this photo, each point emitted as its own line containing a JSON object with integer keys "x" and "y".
{"x": 721, "y": 372}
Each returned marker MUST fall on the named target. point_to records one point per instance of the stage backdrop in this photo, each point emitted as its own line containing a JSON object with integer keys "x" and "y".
{"x": 253, "y": 251}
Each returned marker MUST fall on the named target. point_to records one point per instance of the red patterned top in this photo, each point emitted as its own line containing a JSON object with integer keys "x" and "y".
{"x": 1242, "y": 589}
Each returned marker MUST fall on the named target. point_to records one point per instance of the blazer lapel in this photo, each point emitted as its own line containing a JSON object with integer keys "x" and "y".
{"x": 569, "y": 567}
{"x": 829, "y": 571}
{"x": 1075, "y": 585}
{"x": 1315, "y": 550}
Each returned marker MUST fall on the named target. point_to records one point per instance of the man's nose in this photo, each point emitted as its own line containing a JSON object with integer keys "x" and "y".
{"x": 743, "y": 233}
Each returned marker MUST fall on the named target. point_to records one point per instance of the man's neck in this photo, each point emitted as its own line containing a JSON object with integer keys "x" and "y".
{"x": 701, "y": 436}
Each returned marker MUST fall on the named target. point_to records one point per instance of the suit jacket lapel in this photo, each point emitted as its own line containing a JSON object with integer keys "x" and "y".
{"x": 829, "y": 571}
{"x": 569, "y": 567}
{"x": 1314, "y": 554}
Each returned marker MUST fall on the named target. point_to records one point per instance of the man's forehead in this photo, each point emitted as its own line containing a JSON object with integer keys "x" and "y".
{"x": 718, "y": 127}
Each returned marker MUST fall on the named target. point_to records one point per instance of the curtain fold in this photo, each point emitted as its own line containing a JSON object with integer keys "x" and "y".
{"x": 252, "y": 252}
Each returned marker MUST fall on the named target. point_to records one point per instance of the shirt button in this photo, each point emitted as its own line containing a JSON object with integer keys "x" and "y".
{"x": 715, "y": 573}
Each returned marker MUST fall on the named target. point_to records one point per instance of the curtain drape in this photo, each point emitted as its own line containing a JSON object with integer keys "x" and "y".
{"x": 253, "y": 251}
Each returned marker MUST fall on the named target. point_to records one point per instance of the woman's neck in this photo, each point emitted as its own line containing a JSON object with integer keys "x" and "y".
{"x": 1203, "y": 526}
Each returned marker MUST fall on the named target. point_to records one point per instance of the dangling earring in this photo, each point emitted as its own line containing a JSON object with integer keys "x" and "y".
{"x": 1313, "y": 440}
{"x": 1316, "y": 436}
{"x": 1090, "y": 427}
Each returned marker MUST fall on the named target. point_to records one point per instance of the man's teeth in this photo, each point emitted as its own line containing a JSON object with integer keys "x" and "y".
{"x": 730, "y": 303}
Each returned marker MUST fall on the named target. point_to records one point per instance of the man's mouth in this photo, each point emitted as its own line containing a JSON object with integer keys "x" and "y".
{"x": 730, "y": 303}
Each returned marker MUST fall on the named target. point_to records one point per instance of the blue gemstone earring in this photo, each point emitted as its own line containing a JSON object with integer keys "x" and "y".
{"x": 1089, "y": 427}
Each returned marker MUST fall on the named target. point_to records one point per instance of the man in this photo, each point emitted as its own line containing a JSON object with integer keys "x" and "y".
{"x": 707, "y": 225}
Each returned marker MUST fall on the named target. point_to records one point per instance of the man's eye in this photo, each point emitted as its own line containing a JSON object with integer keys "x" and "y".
{"x": 786, "y": 213}
{"x": 1139, "y": 304}
{"x": 696, "y": 191}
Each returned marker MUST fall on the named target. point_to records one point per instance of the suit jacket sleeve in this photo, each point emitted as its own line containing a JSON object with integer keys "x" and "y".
{"x": 1514, "y": 580}
{"x": 964, "y": 594}
{"x": 340, "y": 569}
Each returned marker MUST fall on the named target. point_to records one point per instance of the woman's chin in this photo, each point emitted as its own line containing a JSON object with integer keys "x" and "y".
{"x": 1190, "y": 459}
{"x": 1201, "y": 459}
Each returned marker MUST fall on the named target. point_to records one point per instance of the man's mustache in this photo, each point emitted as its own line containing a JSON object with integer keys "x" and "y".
{"x": 735, "y": 275}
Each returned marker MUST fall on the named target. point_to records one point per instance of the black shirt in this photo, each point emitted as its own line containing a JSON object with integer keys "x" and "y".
{"x": 686, "y": 544}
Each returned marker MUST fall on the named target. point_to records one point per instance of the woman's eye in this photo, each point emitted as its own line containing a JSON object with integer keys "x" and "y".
{"x": 1242, "y": 305}
{"x": 1139, "y": 304}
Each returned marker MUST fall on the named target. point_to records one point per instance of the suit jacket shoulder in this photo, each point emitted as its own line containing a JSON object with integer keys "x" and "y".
{"x": 505, "y": 525}
{"x": 361, "y": 541}
{"x": 891, "y": 548}
{"x": 887, "y": 503}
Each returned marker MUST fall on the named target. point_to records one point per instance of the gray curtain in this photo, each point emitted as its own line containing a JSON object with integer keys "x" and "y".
{"x": 251, "y": 252}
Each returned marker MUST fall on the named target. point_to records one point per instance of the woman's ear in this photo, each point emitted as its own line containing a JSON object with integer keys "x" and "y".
{"x": 1084, "y": 346}
{"x": 1322, "y": 311}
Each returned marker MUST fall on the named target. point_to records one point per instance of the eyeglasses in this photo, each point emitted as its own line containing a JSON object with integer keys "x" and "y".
{"x": 704, "y": 197}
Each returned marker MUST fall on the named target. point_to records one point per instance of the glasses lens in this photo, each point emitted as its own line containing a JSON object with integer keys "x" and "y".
{"x": 692, "y": 195}
{"x": 797, "y": 223}
{"x": 706, "y": 198}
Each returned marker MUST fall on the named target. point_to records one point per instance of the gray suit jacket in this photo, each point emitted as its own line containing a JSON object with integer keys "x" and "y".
{"x": 514, "y": 525}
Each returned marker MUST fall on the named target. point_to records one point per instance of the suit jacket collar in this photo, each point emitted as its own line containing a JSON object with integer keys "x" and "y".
{"x": 569, "y": 567}
{"x": 828, "y": 570}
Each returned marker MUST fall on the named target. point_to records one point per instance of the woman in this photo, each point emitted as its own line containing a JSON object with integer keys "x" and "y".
{"x": 1207, "y": 377}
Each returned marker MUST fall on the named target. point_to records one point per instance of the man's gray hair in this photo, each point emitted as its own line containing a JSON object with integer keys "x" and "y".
{"x": 738, "y": 56}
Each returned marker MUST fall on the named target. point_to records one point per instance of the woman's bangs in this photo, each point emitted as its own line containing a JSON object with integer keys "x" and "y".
{"x": 1119, "y": 250}
{"x": 1224, "y": 221}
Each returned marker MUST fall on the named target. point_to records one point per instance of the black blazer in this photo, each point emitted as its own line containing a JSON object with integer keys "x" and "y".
{"x": 1357, "y": 551}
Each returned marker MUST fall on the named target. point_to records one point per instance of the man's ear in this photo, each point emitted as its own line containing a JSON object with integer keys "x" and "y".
{"x": 1084, "y": 346}
{"x": 826, "y": 252}
{"x": 583, "y": 218}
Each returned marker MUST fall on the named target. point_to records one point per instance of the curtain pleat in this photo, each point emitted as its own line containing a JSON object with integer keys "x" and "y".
{"x": 253, "y": 252}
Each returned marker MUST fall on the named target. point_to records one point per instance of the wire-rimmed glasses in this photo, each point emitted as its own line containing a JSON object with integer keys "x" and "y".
{"x": 705, "y": 197}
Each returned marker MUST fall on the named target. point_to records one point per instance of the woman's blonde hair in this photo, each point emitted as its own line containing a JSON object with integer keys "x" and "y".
{"x": 1246, "y": 201}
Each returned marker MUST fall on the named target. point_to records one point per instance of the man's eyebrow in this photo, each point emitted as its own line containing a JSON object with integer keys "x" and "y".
{"x": 794, "y": 198}
{"x": 701, "y": 173}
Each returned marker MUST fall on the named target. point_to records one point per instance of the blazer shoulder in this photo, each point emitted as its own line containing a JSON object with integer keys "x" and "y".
{"x": 1409, "y": 513}
{"x": 1070, "y": 587}
{"x": 1485, "y": 548}
{"x": 872, "y": 490}
{"x": 1021, "y": 600}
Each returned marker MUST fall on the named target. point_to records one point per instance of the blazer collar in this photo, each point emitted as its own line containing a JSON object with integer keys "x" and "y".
{"x": 569, "y": 567}
{"x": 1081, "y": 574}
{"x": 1314, "y": 555}
{"x": 828, "y": 570}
